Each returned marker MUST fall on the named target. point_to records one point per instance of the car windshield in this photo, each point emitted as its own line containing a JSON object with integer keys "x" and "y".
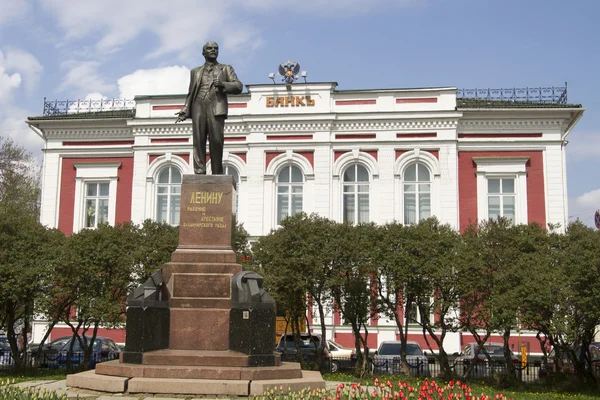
{"x": 492, "y": 349}
{"x": 305, "y": 342}
{"x": 77, "y": 346}
{"x": 393, "y": 349}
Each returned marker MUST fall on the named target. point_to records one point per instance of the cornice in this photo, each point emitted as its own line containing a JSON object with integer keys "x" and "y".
{"x": 290, "y": 127}
{"x": 509, "y": 124}
{"x": 397, "y": 125}
{"x": 183, "y": 129}
{"x": 88, "y": 133}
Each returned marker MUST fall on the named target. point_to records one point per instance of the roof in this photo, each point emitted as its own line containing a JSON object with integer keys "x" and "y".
{"x": 485, "y": 103}
{"x": 126, "y": 113}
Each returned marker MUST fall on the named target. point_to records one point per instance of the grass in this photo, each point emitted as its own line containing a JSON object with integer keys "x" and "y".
{"x": 34, "y": 375}
{"x": 564, "y": 388}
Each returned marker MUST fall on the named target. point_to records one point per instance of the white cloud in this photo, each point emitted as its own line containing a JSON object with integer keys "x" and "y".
{"x": 583, "y": 145}
{"x": 583, "y": 207}
{"x": 83, "y": 77}
{"x": 16, "y": 67}
{"x": 13, "y": 10}
{"x": 12, "y": 125}
{"x": 182, "y": 26}
{"x": 8, "y": 82}
{"x": 24, "y": 62}
{"x": 590, "y": 200}
{"x": 168, "y": 80}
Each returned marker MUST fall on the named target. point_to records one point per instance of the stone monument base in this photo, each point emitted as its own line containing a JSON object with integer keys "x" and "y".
{"x": 175, "y": 372}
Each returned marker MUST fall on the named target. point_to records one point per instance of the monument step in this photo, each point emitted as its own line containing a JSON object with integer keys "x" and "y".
{"x": 212, "y": 358}
{"x": 115, "y": 368}
{"x": 201, "y": 255}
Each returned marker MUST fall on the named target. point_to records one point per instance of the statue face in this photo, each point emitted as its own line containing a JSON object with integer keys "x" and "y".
{"x": 210, "y": 50}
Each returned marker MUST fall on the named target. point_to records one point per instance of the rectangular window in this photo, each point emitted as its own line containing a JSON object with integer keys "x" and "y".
{"x": 501, "y": 198}
{"x": 96, "y": 203}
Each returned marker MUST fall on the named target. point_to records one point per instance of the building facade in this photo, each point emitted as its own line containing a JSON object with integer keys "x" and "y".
{"x": 349, "y": 155}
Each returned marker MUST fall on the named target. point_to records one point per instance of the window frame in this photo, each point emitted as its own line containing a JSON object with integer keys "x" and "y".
{"x": 356, "y": 193}
{"x": 94, "y": 172}
{"x": 290, "y": 194}
{"x": 170, "y": 194}
{"x": 502, "y": 167}
{"x": 417, "y": 192}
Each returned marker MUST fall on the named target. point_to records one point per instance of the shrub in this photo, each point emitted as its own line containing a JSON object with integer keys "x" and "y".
{"x": 11, "y": 392}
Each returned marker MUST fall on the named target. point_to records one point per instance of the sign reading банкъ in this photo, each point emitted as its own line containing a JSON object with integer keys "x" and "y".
{"x": 290, "y": 101}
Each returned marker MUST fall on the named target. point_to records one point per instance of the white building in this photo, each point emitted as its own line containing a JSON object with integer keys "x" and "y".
{"x": 358, "y": 155}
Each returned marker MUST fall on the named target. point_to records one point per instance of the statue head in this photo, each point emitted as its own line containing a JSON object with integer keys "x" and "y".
{"x": 210, "y": 51}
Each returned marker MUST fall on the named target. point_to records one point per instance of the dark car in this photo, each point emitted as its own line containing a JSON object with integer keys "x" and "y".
{"x": 6, "y": 359}
{"x": 388, "y": 360}
{"x": 548, "y": 366}
{"x": 482, "y": 362}
{"x": 48, "y": 353}
{"x": 309, "y": 345}
{"x": 103, "y": 349}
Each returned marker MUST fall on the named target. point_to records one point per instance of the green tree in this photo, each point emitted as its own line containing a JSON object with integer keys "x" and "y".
{"x": 97, "y": 276}
{"x": 23, "y": 243}
{"x": 352, "y": 282}
{"x": 154, "y": 243}
{"x": 432, "y": 259}
{"x": 276, "y": 257}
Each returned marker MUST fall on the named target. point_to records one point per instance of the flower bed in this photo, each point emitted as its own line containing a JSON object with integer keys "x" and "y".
{"x": 428, "y": 390}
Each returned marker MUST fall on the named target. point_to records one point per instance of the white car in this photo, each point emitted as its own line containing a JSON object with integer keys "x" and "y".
{"x": 341, "y": 357}
{"x": 388, "y": 361}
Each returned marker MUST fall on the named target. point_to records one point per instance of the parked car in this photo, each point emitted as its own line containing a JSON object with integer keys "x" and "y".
{"x": 341, "y": 357}
{"x": 6, "y": 359}
{"x": 309, "y": 344}
{"x": 387, "y": 359}
{"x": 474, "y": 363}
{"x": 48, "y": 354}
{"x": 103, "y": 349}
{"x": 548, "y": 366}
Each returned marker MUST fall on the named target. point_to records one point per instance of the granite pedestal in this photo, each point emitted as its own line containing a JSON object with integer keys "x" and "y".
{"x": 201, "y": 326}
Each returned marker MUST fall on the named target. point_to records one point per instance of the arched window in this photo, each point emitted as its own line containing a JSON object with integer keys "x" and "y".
{"x": 356, "y": 194}
{"x": 289, "y": 192}
{"x": 229, "y": 170}
{"x": 417, "y": 193}
{"x": 168, "y": 195}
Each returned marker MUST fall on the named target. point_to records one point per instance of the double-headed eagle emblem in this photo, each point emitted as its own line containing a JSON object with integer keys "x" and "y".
{"x": 289, "y": 71}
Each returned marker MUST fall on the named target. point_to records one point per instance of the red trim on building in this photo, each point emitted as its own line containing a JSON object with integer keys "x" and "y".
{"x": 235, "y": 138}
{"x": 184, "y": 156}
{"x": 372, "y": 153}
{"x": 99, "y": 143}
{"x": 169, "y": 107}
{"x": 67, "y": 190}
{"x": 499, "y": 135}
{"x": 309, "y": 155}
{"x": 354, "y": 102}
{"x": 238, "y": 105}
{"x": 419, "y": 338}
{"x": 269, "y": 156}
{"x": 118, "y": 335}
{"x": 289, "y": 137}
{"x": 417, "y": 100}
{"x": 346, "y": 339}
{"x": 415, "y": 135}
{"x": 355, "y": 137}
{"x": 467, "y": 185}
{"x": 530, "y": 342}
{"x": 241, "y": 155}
{"x": 338, "y": 153}
{"x": 170, "y": 140}
{"x": 435, "y": 153}
{"x": 400, "y": 152}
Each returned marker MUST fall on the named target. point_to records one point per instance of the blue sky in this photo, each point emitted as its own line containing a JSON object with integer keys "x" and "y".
{"x": 62, "y": 49}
